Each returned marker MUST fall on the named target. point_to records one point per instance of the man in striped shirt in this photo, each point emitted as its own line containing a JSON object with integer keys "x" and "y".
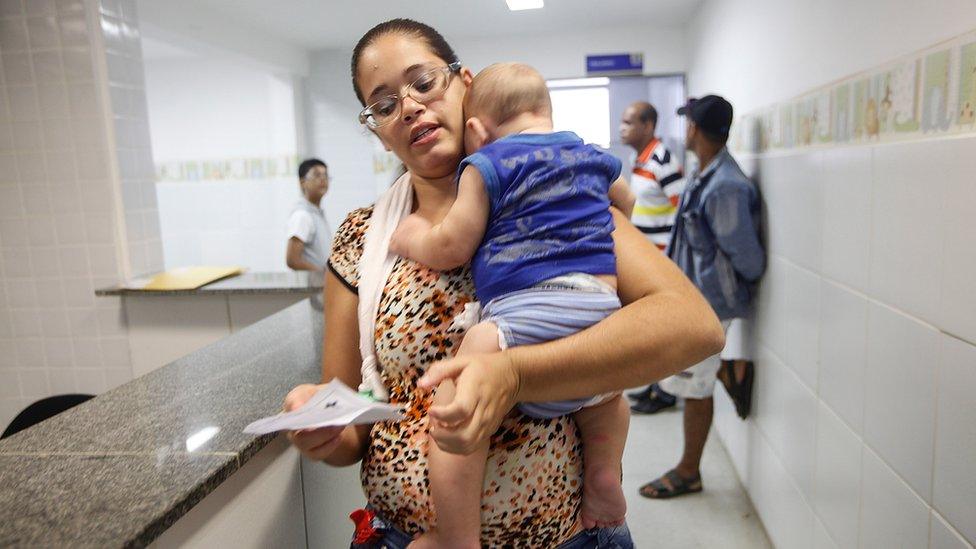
{"x": 657, "y": 179}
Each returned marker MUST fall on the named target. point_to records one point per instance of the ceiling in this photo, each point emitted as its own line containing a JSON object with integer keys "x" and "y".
{"x": 322, "y": 24}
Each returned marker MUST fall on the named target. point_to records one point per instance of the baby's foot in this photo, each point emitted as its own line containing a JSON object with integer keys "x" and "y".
{"x": 603, "y": 498}
{"x": 433, "y": 540}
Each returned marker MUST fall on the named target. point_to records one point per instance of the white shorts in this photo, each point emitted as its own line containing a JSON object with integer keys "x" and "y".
{"x": 699, "y": 380}
{"x": 738, "y": 344}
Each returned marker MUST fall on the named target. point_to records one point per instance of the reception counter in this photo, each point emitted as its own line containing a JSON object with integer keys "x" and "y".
{"x": 163, "y": 457}
{"x": 166, "y": 325}
{"x": 297, "y": 283}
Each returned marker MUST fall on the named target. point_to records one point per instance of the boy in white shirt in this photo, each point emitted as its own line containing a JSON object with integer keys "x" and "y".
{"x": 309, "y": 235}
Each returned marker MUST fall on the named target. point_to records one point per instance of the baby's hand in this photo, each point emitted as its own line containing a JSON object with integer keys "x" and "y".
{"x": 408, "y": 234}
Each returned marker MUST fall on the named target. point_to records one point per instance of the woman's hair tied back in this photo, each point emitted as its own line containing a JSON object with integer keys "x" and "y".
{"x": 407, "y": 27}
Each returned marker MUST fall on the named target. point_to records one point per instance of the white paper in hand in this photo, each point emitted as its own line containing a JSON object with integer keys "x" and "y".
{"x": 334, "y": 405}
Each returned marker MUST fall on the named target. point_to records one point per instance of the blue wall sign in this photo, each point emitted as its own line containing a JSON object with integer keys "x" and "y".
{"x": 620, "y": 63}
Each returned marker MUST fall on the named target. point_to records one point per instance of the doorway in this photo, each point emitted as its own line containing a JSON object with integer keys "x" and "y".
{"x": 593, "y": 107}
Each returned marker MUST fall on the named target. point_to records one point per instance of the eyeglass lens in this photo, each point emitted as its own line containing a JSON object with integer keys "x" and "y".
{"x": 427, "y": 87}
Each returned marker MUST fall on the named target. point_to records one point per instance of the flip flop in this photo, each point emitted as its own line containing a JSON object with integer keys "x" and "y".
{"x": 740, "y": 391}
{"x": 657, "y": 489}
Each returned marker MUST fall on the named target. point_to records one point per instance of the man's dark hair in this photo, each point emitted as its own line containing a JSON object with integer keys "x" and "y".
{"x": 307, "y": 166}
{"x": 646, "y": 113}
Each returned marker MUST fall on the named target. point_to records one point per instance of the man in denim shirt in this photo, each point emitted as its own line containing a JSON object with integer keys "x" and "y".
{"x": 715, "y": 241}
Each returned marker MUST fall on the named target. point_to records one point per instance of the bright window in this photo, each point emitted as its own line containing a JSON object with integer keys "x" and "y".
{"x": 584, "y": 110}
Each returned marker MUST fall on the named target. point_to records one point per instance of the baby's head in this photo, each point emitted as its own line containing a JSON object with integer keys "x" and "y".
{"x": 503, "y": 99}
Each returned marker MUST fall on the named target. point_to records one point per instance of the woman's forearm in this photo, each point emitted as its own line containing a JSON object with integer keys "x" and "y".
{"x": 646, "y": 341}
{"x": 341, "y": 360}
{"x": 351, "y": 447}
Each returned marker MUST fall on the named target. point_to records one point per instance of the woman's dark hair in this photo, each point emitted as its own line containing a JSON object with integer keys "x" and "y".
{"x": 307, "y": 165}
{"x": 408, "y": 27}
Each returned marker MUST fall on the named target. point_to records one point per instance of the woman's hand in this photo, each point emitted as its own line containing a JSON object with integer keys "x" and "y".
{"x": 486, "y": 388}
{"x": 315, "y": 444}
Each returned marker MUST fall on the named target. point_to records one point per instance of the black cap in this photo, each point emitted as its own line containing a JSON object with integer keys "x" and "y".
{"x": 711, "y": 113}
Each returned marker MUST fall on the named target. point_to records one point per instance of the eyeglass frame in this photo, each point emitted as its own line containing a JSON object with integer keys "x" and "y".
{"x": 311, "y": 177}
{"x": 451, "y": 68}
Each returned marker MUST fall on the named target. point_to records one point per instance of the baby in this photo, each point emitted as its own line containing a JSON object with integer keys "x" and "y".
{"x": 532, "y": 216}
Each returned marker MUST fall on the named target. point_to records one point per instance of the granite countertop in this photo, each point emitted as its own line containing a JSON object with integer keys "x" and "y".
{"x": 296, "y": 282}
{"x": 119, "y": 469}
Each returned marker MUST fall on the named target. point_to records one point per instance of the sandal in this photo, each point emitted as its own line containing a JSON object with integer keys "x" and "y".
{"x": 657, "y": 489}
{"x": 739, "y": 391}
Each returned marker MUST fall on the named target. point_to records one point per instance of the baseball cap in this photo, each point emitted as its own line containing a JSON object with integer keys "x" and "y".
{"x": 711, "y": 113}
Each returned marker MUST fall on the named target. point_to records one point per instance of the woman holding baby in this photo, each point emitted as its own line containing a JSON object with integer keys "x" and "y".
{"x": 413, "y": 87}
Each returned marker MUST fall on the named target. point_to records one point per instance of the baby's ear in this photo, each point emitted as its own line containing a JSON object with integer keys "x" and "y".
{"x": 475, "y": 126}
{"x": 466, "y": 76}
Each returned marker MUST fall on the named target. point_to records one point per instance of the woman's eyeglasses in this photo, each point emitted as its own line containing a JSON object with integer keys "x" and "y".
{"x": 429, "y": 86}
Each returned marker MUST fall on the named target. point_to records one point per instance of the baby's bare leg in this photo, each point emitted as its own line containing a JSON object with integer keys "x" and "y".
{"x": 456, "y": 481}
{"x": 603, "y": 430}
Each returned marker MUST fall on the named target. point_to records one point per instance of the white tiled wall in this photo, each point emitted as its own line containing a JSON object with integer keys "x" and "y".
{"x": 130, "y": 125}
{"x": 195, "y": 110}
{"x": 336, "y": 136}
{"x": 837, "y": 477}
{"x": 899, "y": 395}
{"x": 228, "y": 222}
{"x": 892, "y": 514}
{"x": 906, "y": 252}
{"x": 954, "y": 483}
{"x": 61, "y": 220}
{"x": 864, "y": 432}
{"x": 944, "y": 536}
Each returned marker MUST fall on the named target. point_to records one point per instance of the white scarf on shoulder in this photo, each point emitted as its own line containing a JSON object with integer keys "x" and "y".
{"x": 375, "y": 267}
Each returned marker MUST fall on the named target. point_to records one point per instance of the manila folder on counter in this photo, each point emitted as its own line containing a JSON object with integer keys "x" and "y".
{"x": 189, "y": 278}
{"x": 334, "y": 405}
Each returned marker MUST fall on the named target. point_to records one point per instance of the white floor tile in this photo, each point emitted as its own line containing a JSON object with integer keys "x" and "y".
{"x": 721, "y": 516}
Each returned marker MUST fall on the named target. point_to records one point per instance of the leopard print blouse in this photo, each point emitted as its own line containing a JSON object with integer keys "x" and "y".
{"x": 533, "y": 485}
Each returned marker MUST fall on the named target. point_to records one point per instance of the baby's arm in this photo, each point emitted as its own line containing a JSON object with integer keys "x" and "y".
{"x": 621, "y": 197}
{"x": 453, "y": 241}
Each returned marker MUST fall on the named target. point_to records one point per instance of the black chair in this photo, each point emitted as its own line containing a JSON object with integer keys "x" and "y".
{"x": 43, "y": 409}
